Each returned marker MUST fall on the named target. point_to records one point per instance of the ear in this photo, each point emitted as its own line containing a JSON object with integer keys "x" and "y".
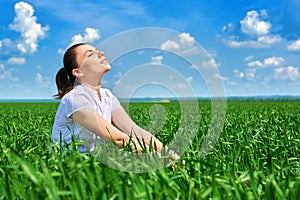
{"x": 77, "y": 73}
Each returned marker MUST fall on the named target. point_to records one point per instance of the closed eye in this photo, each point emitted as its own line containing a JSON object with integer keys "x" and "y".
{"x": 89, "y": 53}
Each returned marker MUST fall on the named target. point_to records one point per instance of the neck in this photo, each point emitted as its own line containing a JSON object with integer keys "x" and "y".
{"x": 94, "y": 87}
{"x": 91, "y": 80}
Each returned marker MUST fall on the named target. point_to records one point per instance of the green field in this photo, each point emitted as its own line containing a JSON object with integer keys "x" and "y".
{"x": 256, "y": 157}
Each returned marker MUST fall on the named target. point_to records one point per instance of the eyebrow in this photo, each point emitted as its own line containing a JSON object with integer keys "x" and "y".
{"x": 89, "y": 51}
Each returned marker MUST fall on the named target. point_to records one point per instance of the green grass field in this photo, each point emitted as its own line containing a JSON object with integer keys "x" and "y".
{"x": 256, "y": 157}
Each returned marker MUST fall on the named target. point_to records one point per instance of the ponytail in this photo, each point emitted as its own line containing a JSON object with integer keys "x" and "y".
{"x": 64, "y": 83}
{"x": 64, "y": 77}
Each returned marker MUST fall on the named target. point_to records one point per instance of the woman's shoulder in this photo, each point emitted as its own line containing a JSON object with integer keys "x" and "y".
{"x": 106, "y": 92}
{"x": 69, "y": 95}
{"x": 77, "y": 93}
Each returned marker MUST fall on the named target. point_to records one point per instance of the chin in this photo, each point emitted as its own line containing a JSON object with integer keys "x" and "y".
{"x": 107, "y": 67}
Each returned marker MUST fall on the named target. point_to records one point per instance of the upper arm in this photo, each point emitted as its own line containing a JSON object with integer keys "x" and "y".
{"x": 95, "y": 123}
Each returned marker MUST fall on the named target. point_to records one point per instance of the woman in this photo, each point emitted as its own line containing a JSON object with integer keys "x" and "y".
{"x": 88, "y": 111}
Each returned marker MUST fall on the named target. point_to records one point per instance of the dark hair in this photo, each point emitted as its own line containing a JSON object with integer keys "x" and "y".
{"x": 64, "y": 77}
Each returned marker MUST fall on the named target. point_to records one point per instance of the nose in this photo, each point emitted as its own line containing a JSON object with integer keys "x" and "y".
{"x": 100, "y": 54}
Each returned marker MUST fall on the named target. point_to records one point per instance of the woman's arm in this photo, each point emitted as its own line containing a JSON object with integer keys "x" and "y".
{"x": 121, "y": 119}
{"x": 92, "y": 121}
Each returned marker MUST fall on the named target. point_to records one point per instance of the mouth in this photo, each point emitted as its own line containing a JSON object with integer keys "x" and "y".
{"x": 103, "y": 61}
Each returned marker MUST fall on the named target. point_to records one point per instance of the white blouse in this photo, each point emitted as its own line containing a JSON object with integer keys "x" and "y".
{"x": 82, "y": 97}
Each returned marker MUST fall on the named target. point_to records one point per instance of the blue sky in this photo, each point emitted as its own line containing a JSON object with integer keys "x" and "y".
{"x": 255, "y": 45}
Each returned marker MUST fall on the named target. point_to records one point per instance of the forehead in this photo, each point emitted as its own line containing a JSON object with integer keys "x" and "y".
{"x": 83, "y": 48}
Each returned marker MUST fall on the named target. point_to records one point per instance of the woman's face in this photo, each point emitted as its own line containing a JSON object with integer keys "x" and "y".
{"x": 91, "y": 61}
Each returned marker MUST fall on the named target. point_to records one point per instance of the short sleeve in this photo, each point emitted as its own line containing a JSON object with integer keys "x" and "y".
{"x": 76, "y": 102}
{"x": 115, "y": 103}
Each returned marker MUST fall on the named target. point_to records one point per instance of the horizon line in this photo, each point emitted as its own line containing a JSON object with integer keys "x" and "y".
{"x": 160, "y": 98}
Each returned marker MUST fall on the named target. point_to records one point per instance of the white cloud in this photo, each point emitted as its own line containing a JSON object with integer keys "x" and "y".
{"x": 219, "y": 76}
{"x": 31, "y": 31}
{"x": 247, "y": 59}
{"x": 60, "y": 51}
{"x": 295, "y": 46}
{"x": 261, "y": 42}
{"x": 16, "y": 61}
{"x": 181, "y": 86}
{"x": 231, "y": 83}
{"x": 131, "y": 8}
{"x": 156, "y": 60}
{"x": 273, "y": 61}
{"x": 42, "y": 82}
{"x": 185, "y": 40}
{"x": 251, "y": 73}
{"x": 264, "y": 13}
{"x": 228, "y": 28}
{"x": 284, "y": 73}
{"x": 244, "y": 44}
{"x": 189, "y": 79}
{"x": 7, "y": 75}
{"x": 184, "y": 45}
{"x": 269, "y": 39}
{"x": 4, "y": 74}
{"x": 238, "y": 74}
{"x": 210, "y": 64}
{"x": 141, "y": 52}
{"x": 90, "y": 35}
{"x": 267, "y": 62}
{"x": 6, "y": 46}
{"x": 255, "y": 63}
{"x": 256, "y": 31}
{"x": 252, "y": 25}
{"x": 170, "y": 45}
{"x": 118, "y": 75}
